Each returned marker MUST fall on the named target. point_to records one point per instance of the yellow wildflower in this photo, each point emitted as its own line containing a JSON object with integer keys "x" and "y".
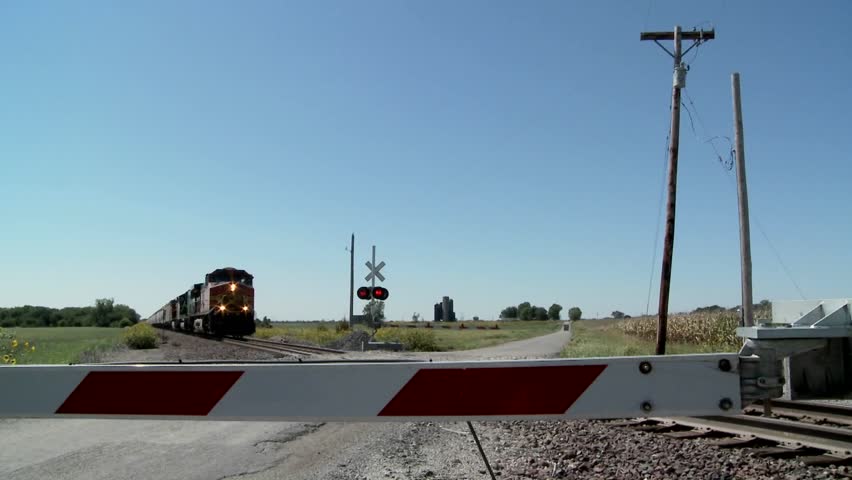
{"x": 14, "y": 361}
{"x": 6, "y": 358}
{"x": 33, "y": 348}
{"x": 14, "y": 344}
{"x": 27, "y": 344}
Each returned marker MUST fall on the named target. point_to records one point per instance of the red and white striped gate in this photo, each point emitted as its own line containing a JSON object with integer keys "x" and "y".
{"x": 676, "y": 385}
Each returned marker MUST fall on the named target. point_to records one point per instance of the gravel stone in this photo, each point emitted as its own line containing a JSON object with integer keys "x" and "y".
{"x": 595, "y": 449}
{"x": 351, "y": 342}
{"x": 176, "y": 346}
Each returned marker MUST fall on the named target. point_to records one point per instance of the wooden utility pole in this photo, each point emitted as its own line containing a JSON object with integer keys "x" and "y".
{"x": 742, "y": 195}
{"x": 352, "y": 279}
{"x": 679, "y": 81}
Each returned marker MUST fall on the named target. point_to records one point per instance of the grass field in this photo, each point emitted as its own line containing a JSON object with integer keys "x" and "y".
{"x": 470, "y": 338}
{"x": 65, "y": 344}
{"x": 320, "y": 333}
{"x": 445, "y": 339}
{"x": 607, "y": 338}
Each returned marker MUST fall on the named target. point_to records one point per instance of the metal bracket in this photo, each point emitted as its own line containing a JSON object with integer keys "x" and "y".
{"x": 761, "y": 365}
{"x": 664, "y": 48}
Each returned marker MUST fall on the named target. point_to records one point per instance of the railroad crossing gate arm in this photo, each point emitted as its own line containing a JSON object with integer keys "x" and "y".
{"x": 676, "y": 385}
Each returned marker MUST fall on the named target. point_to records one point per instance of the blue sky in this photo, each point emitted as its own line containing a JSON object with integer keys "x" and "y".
{"x": 494, "y": 151}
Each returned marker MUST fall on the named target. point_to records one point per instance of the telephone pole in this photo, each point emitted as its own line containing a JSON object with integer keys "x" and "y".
{"x": 351, "y": 279}
{"x": 742, "y": 195}
{"x": 679, "y": 82}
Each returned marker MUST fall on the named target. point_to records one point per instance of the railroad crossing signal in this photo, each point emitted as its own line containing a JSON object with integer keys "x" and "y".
{"x": 374, "y": 271}
{"x": 378, "y": 293}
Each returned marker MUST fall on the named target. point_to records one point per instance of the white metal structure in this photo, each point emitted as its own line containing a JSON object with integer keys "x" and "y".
{"x": 813, "y": 338}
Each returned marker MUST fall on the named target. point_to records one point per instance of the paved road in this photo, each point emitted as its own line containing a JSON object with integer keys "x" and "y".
{"x": 130, "y": 449}
{"x": 545, "y": 346}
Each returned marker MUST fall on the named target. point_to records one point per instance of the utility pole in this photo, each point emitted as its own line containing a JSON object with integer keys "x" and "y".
{"x": 352, "y": 279}
{"x": 742, "y": 196}
{"x": 373, "y": 288}
{"x": 679, "y": 82}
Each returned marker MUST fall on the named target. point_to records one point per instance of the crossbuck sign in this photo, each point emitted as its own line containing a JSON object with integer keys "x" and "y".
{"x": 374, "y": 271}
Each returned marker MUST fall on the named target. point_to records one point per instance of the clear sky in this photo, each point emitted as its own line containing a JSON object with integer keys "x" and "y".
{"x": 494, "y": 151}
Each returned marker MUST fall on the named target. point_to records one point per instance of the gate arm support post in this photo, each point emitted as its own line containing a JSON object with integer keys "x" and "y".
{"x": 762, "y": 369}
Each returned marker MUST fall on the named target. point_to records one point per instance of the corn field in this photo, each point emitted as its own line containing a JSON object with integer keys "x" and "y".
{"x": 717, "y": 328}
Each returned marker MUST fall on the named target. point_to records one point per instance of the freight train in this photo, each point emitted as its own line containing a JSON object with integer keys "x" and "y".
{"x": 222, "y": 305}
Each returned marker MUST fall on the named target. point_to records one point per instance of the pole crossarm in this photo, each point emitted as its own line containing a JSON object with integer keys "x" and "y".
{"x": 699, "y": 35}
{"x": 664, "y": 48}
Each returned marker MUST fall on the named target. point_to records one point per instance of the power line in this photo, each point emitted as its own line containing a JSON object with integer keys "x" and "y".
{"x": 772, "y": 247}
{"x": 727, "y": 167}
{"x": 778, "y": 257}
{"x": 657, "y": 229}
{"x": 697, "y": 45}
{"x": 727, "y": 163}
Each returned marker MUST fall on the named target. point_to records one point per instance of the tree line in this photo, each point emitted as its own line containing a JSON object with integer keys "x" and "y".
{"x": 762, "y": 308}
{"x": 527, "y": 311}
{"x": 104, "y": 313}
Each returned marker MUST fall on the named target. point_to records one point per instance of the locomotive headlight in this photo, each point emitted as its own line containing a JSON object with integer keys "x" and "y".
{"x": 221, "y": 308}
{"x": 245, "y": 308}
{"x": 233, "y": 287}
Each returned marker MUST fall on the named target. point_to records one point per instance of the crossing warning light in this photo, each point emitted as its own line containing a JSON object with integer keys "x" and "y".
{"x": 380, "y": 293}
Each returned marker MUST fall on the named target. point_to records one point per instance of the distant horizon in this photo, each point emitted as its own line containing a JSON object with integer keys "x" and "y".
{"x": 422, "y": 319}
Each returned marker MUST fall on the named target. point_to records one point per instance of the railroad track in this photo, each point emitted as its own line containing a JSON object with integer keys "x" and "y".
{"x": 815, "y": 434}
{"x": 279, "y": 347}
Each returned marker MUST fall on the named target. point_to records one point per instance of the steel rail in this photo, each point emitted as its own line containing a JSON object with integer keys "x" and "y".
{"x": 838, "y": 414}
{"x": 277, "y": 347}
{"x": 310, "y": 348}
{"x": 238, "y": 343}
{"x": 836, "y": 441}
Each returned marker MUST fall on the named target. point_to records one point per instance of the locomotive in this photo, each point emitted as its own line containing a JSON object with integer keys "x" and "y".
{"x": 222, "y": 305}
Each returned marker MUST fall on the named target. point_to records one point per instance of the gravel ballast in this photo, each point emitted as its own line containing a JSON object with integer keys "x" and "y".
{"x": 176, "y": 346}
{"x": 597, "y": 450}
{"x": 352, "y": 342}
{"x": 519, "y": 451}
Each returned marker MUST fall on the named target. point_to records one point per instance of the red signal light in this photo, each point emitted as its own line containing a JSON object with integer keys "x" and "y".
{"x": 363, "y": 293}
{"x": 380, "y": 293}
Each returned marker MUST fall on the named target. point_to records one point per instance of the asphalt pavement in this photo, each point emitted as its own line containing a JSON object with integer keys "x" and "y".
{"x": 133, "y": 449}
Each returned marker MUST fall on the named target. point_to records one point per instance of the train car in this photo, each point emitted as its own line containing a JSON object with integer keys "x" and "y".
{"x": 222, "y": 305}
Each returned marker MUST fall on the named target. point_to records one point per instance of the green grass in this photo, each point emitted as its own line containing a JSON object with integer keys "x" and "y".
{"x": 320, "y": 333}
{"x": 470, "y": 337}
{"x": 412, "y": 339}
{"x": 65, "y": 344}
{"x": 453, "y": 338}
{"x": 603, "y": 338}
